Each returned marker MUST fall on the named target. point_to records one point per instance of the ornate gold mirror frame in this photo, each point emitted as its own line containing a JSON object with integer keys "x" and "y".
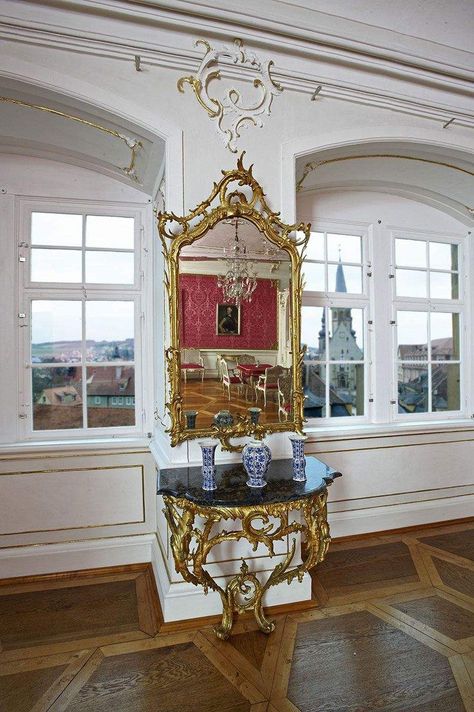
{"x": 237, "y": 194}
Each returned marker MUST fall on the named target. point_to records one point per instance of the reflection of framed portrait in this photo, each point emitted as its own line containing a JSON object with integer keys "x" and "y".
{"x": 228, "y": 320}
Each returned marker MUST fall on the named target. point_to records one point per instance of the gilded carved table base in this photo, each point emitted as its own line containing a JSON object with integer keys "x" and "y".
{"x": 191, "y": 544}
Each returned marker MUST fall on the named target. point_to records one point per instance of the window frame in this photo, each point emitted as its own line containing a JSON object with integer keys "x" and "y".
{"x": 460, "y": 306}
{"x": 381, "y": 375}
{"x": 140, "y": 292}
{"x": 334, "y": 300}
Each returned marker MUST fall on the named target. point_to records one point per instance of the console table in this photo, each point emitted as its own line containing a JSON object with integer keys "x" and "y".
{"x": 191, "y": 542}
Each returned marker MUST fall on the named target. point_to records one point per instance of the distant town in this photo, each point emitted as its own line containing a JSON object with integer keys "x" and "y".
{"x": 57, "y": 390}
{"x": 70, "y": 351}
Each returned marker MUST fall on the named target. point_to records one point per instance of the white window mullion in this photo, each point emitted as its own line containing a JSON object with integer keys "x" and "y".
{"x": 383, "y": 334}
{"x": 84, "y": 367}
{"x": 430, "y": 367}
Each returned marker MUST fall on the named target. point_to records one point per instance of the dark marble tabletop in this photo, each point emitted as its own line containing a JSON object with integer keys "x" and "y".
{"x": 232, "y": 491}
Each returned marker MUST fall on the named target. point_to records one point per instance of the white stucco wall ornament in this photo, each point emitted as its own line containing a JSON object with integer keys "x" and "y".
{"x": 229, "y": 112}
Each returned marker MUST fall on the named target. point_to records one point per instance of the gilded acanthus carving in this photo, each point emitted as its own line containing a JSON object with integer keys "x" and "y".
{"x": 229, "y": 112}
{"x": 192, "y": 544}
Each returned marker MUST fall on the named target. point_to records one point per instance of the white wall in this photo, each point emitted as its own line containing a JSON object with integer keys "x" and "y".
{"x": 52, "y": 493}
{"x": 392, "y": 479}
{"x": 396, "y": 91}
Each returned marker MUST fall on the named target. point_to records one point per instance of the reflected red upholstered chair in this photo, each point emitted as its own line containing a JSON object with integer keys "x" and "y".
{"x": 246, "y": 359}
{"x": 230, "y": 379}
{"x": 192, "y": 361}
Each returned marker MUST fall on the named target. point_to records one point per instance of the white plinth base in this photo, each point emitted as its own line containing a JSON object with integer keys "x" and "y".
{"x": 182, "y": 601}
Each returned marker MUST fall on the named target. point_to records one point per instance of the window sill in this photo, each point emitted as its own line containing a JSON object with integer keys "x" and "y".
{"x": 334, "y": 433}
{"x": 82, "y": 444}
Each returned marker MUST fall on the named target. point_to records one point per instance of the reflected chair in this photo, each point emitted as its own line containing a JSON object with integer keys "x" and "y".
{"x": 246, "y": 359}
{"x": 268, "y": 381}
{"x": 284, "y": 396}
{"x": 192, "y": 362}
{"x": 229, "y": 378}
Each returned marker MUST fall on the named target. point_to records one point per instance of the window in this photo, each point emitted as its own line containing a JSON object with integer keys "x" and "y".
{"x": 82, "y": 298}
{"x": 390, "y": 354}
{"x": 334, "y": 317}
{"x": 428, "y": 316}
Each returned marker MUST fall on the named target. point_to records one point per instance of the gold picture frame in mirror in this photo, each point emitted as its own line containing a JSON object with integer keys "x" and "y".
{"x": 234, "y": 286}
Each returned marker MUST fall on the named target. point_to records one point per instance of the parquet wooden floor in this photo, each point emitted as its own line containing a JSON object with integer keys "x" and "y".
{"x": 209, "y": 398}
{"x": 391, "y": 629}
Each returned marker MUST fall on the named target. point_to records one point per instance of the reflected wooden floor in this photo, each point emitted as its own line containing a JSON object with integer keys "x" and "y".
{"x": 391, "y": 628}
{"x": 209, "y": 398}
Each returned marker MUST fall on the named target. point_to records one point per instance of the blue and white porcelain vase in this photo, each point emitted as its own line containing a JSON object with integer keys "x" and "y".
{"x": 208, "y": 449}
{"x": 299, "y": 460}
{"x": 256, "y": 458}
{"x": 190, "y": 416}
{"x": 254, "y": 414}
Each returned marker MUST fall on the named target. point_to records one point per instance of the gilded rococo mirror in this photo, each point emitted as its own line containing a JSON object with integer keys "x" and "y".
{"x": 233, "y": 279}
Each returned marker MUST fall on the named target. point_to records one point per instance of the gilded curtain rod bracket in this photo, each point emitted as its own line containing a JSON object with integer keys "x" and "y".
{"x": 314, "y": 165}
{"x": 133, "y": 144}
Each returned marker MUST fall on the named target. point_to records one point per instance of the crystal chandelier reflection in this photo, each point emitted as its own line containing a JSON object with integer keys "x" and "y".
{"x": 240, "y": 280}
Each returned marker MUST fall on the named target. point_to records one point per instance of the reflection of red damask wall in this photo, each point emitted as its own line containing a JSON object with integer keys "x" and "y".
{"x": 199, "y": 298}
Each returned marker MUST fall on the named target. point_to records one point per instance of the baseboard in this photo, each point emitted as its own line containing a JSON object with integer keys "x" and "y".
{"x": 183, "y": 601}
{"x": 400, "y": 531}
{"x": 399, "y": 516}
{"x": 41, "y": 559}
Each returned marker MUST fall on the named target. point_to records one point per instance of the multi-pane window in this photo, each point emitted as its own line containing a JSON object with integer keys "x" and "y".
{"x": 428, "y": 314}
{"x": 82, "y": 249}
{"x": 81, "y": 305}
{"x": 333, "y": 263}
{"x": 333, "y": 369}
{"x": 334, "y": 320}
{"x": 383, "y": 324}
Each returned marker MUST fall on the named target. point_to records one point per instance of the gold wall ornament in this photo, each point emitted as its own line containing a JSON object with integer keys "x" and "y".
{"x": 230, "y": 112}
{"x": 237, "y": 194}
{"x": 191, "y": 545}
{"x": 132, "y": 143}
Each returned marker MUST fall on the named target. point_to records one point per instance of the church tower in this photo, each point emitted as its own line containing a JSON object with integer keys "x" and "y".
{"x": 342, "y": 347}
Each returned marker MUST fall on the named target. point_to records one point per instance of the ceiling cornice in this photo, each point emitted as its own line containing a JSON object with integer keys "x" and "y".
{"x": 333, "y": 39}
{"x": 184, "y": 60}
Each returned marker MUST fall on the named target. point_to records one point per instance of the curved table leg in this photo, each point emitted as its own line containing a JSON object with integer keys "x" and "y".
{"x": 244, "y": 592}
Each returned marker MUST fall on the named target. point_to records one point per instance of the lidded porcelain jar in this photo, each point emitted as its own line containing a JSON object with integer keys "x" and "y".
{"x": 256, "y": 458}
{"x": 223, "y": 418}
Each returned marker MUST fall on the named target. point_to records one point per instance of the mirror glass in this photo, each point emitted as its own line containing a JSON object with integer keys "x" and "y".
{"x": 235, "y": 327}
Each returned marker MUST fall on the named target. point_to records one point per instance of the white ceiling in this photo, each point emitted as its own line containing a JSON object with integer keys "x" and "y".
{"x": 447, "y": 22}
{"x": 29, "y": 131}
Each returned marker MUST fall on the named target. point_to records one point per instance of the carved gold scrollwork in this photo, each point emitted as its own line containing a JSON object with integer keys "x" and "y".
{"x": 237, "y": 194}
{"x": 230, "y": 113}
{"x": 191, "y": 547}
